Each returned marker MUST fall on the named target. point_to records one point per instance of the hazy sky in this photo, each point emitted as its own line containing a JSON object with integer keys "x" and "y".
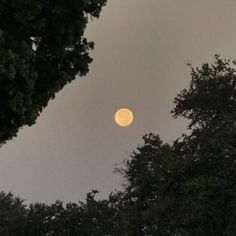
{"x": 140, "y": 57}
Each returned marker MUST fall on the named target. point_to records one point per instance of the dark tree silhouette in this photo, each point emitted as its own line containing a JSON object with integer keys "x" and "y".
{"x": 209, "y": 186}
{"x": 211, "y": 96}
{"x": 187, "y": 188}
{"x": 13, "y": 215}
{"x": 42, "y": 48}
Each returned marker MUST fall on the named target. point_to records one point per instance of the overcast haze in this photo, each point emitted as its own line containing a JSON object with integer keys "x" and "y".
{"x": 140, "y": 56}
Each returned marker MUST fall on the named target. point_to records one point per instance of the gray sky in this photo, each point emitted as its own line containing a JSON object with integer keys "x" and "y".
{"x": 140, "y": 57}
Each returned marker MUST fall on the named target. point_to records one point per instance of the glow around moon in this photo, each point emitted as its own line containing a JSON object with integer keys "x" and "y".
{"x": 124, "y": 117}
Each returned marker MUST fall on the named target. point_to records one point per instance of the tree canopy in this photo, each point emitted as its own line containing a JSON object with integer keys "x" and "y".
{"x": 211, "y": 96}
{"x": 187, "y": 188}
{"x": 42, "y": 48}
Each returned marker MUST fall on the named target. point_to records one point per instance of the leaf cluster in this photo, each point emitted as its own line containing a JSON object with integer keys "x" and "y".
{"x": 42, "y": 48}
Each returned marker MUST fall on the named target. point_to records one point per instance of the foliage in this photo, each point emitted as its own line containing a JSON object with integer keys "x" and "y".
{"x": 12, "y": 215}
{"x": 187, "y": 188}
{"x": 211, "y": 96}
{"x": 42, "y": 48}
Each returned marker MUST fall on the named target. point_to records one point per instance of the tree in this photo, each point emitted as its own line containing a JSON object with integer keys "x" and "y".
{"x": 37, "y": 220}
{"x": 98, "y": 217}
{"x": 12, "y": 215}
{"x": 211, "y": 96}
{"x": 92, "y": 217}
{"x": 189, "y": 187}
{"x": 210, "y": 149}
{"x": 153, "y": 175}
{"x": 42, "y": 48}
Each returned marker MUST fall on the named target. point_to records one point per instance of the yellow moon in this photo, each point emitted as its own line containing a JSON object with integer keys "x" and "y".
{"x": 124, "y": 117}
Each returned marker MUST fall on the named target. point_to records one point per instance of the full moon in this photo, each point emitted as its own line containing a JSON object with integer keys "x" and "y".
{"x": 124, "y": 117}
